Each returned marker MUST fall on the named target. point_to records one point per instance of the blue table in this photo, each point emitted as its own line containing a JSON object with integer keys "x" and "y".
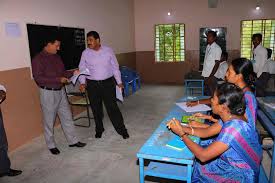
{"x": 266, "y": 116}
{"x": 166, "y": 162}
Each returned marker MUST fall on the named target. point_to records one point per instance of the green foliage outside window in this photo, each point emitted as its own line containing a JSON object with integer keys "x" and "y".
{"x": 169, "y": 43}
{"x": 250, "y": 27}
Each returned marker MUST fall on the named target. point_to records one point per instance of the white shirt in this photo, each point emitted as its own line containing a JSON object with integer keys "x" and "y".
{"x": 2, "y": 88}
{"x": 213, "y": 52}
{"x": 260, "y": 60}
{"x": 220, "y": 74}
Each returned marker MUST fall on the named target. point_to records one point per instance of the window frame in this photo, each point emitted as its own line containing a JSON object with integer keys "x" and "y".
{"x": 263, "y": 30}
{"x": 174, "y": 61}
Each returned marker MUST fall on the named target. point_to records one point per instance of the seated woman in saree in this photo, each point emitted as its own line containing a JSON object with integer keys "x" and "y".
{"x": 235, "y": 154}
{"x": 240, "y": 72}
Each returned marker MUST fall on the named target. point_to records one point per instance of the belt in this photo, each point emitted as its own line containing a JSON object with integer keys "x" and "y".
{"x": 101, "y": 81}
{"x": 48, "y": 88}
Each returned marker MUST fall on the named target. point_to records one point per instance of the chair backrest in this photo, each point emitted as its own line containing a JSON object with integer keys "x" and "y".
{"x": 128, "y": 74}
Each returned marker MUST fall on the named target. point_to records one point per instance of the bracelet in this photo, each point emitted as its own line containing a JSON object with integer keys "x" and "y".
{"x": 192, "y": 130}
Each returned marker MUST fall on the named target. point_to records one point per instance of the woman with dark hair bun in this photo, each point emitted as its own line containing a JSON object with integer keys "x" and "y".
{"x": 235, "y": 154}
{"x": 240, "y": 72}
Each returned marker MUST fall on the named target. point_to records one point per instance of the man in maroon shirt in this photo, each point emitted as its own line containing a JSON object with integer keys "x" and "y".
{"x": 50, "y": 75}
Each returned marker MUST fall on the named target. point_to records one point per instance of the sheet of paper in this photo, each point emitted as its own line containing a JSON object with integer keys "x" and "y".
{"x": 12, "y": 29}
{"x": 74, "y": 78}
{"x": 197, "y": 108}
{"x": 119, "y": 95}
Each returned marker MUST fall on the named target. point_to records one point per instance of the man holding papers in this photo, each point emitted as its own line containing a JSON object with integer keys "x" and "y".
{"x": 100, "y": 84}
{"x": 50, "y": 76}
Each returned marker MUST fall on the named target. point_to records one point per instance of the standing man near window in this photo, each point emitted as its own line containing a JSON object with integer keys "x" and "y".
{"x": 260, "y": 65}
{"x": 50, "y": 75}
{"x": 212, "y": 55}
{"x": 104, "y": 72}
{"x": 5, "y": 163}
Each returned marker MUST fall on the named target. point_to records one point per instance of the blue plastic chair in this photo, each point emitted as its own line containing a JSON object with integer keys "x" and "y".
{"x": 128, "y": 79}
{"x": 126, "y": 82}
{"x": 137, "y": 78}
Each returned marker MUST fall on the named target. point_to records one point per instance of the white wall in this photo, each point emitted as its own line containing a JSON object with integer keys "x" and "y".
{"x": 113, "y": 19}
{"x": 196, "y": 14}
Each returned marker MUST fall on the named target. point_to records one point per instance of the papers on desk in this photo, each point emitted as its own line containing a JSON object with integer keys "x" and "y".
{"x": 197, "y": 108}
{"x": 119, "y": 95}
{"x": 74, "y": 78}
{"x": 176, "y": 143}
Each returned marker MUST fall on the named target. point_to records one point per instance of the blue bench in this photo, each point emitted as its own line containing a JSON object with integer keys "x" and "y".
{"x": 269, "y": 126}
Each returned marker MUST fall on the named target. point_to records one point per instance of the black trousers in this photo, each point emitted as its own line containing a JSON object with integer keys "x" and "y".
{"x": 100, "y": 92}
{"x": 4, "y": 159}
{"x": 261, "y": 84}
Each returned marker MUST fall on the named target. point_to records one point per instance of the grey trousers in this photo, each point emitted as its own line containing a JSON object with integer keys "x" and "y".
{"x": 55, "y": 103}
{"x": 4, "y": 159}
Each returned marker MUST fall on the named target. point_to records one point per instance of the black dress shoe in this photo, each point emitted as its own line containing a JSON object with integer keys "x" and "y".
{"x": 11, "y": 173}
{"x": 98, "y": 134}
{"x": 78, "y": 144}
{"x": 125, "y": 135}
{"x": 54, "y": 151}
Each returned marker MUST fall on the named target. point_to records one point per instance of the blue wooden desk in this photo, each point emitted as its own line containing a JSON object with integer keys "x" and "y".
{"x": 266, "y": 116}
{"x": 166, "y": 162}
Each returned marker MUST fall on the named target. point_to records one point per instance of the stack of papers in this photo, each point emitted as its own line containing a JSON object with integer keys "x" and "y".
{"x": 74, "y": 78}
{"x": 196, "y": 108}
{"x": 119, "y": 95}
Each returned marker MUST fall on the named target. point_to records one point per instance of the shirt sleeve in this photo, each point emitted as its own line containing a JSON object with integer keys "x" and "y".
{"x": 218, "y": 53}
{"x": 38, "y": 74}
{"x": 3, "y": 88}
{"x": 115, "y": 67}
{"x": 82, "y": 66}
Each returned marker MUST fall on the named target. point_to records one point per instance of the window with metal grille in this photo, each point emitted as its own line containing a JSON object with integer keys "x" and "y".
{"x": 169, "y": 43}
{"x": 250, "y": 27}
